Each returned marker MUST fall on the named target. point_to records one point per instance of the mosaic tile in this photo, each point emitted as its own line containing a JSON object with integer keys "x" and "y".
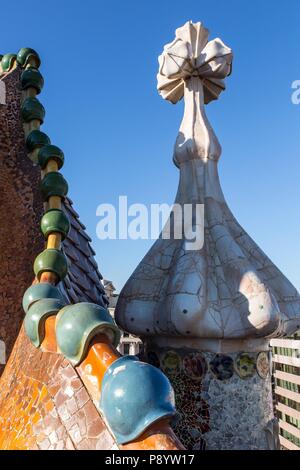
{"x": 44, "y": 405}
{"x": 205, "y": 406}
{"x": 194, "y": 366}
{"x": 245, "y": 365}
{"x": 171, "y": 363}
{"x": 263, "y": 364}
{"x": 222, "y": 367}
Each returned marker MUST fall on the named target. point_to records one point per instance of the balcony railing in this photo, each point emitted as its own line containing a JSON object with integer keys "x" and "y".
{"x": 286, "y": 374}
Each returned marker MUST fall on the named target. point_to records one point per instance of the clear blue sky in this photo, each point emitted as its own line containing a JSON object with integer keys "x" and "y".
{"x": 99, "y": 61}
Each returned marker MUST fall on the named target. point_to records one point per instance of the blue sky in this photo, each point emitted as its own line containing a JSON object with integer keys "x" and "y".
{"x": 99, "y": 61}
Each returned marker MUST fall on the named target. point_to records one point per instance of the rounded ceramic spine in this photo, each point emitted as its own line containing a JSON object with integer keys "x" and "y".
{"x": 54, "y": 239}
{"x": 29, "y": 59}
{"x": 54, "y": 202}
{"x": 34, "y": 124}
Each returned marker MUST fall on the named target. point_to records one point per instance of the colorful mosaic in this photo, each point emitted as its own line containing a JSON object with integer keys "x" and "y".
{"x": 222, "y": 367}
{"x": 45, "y": 406}
{"x": 194, "y": 366}
{"x": 171, "y": 363}
{"x": 200, "y": 379}
{"x": 245, "y": 365}
{"x": 263, "y": 364}
{"x": 185, "y": 370}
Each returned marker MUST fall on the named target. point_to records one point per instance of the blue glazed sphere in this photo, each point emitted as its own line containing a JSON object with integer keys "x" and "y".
{"x": 36, "y": 316}
{"x": 134, "y": 396}
{"x": 38, "y": 292}
{"x": 77, "y": 325}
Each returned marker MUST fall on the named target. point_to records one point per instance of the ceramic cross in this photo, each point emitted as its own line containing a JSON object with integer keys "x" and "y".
{"x": 193, "y": 68}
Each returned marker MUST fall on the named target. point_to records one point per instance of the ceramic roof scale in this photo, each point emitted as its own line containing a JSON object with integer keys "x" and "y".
{"x": 218, "y": 305}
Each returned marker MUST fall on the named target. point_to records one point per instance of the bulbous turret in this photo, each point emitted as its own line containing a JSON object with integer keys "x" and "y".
{"x": 228, "y": 288}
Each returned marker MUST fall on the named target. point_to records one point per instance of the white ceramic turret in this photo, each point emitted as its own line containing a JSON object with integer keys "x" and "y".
{"x": 212, "y": 309}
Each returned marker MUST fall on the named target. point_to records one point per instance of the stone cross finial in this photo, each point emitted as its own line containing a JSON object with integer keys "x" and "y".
{"x": 192, "y": 67}
{"x": 191, "y": 55}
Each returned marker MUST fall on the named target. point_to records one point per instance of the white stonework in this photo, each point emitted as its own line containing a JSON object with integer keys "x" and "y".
{"x": 240, "y": 413}
{"x": 229, "y": 289}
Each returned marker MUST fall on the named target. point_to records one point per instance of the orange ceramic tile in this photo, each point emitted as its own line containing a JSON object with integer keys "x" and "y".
{"x": 92, "y": 369}
{"x": 49, "y": 343}
{"x": 159, "y": 436}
